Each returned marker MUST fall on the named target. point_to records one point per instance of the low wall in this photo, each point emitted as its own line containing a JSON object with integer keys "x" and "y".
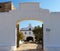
{"x": 52, "y": 49}
{"x": 7, "y": 48}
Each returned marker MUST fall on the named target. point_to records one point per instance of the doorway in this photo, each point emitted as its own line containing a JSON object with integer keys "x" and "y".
{"x": 29, "y": 39}
{"x": 25, "y": 31}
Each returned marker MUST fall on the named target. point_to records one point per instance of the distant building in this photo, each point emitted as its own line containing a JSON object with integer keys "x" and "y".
{"x": 28, "y": 34}
{"x": 6, "y": 6}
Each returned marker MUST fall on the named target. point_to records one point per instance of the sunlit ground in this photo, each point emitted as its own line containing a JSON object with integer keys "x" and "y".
{"x": 30, "y": 47}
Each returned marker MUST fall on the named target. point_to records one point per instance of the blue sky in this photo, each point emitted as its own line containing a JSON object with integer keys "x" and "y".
{"x": 52, "y": 5}
{"x": 25, "y": 23}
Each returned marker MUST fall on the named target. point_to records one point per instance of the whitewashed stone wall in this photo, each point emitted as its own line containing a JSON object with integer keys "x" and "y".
{"x": 30, "y": 11}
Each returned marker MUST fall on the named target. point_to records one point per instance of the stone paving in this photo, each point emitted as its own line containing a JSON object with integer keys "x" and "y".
{"x": 29, "y": 47}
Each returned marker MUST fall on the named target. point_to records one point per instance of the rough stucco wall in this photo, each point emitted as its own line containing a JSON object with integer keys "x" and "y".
{"x": 4, "y": 28}
{"x": 8, "y": 21}
{"x": 52, "y": 43}
{"x": 7, "y": 32}
{"x": 32, "y": 12}
{"x": 26, "y": 13}
{"x": 54, "y": 26}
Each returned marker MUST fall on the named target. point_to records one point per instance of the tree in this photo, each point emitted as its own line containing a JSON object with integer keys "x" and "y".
{"x": 38, "y": 32}
{"x": 21, "y": 36}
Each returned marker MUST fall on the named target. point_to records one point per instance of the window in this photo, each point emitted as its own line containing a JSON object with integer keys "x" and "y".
{"x": 29, "y": 28}
{"x": 25, "y": 33}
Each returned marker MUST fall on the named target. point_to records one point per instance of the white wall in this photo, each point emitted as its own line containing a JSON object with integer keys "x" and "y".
{"x": 7, "y": 30}
{"x": 54, "y": 34}
{"x": 8, "y": 24}
{"x": 28, "y": 35}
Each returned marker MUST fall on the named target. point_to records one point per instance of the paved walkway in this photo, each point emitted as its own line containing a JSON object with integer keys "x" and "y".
{"x": 29, "y": 47}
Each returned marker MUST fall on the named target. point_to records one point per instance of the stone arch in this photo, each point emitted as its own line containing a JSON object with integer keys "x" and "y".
{"x": 13, "y": 17}
{"x": 29, "y": 38}
{"x": 33, "y": 18}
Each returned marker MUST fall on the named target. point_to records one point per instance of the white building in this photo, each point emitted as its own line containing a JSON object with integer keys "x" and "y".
{"x": 28, "y": 34}
{"x": 30, "y": 11}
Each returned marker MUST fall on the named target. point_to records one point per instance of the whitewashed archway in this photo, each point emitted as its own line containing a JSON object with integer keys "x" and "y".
{"x": 30, "y": 11}
{"x": 9, "y": 19}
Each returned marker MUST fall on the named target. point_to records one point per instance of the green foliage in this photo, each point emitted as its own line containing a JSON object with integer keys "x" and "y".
{"x": 38, "y": 32}
{"x": 21, "y": 36}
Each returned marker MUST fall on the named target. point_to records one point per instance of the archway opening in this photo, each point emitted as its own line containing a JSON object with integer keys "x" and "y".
{"x": 26, "y": 28}
{"x": 29, "y": 39}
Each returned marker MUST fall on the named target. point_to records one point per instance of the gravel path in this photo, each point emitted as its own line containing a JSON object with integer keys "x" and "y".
{"x": 29, "y": 47}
